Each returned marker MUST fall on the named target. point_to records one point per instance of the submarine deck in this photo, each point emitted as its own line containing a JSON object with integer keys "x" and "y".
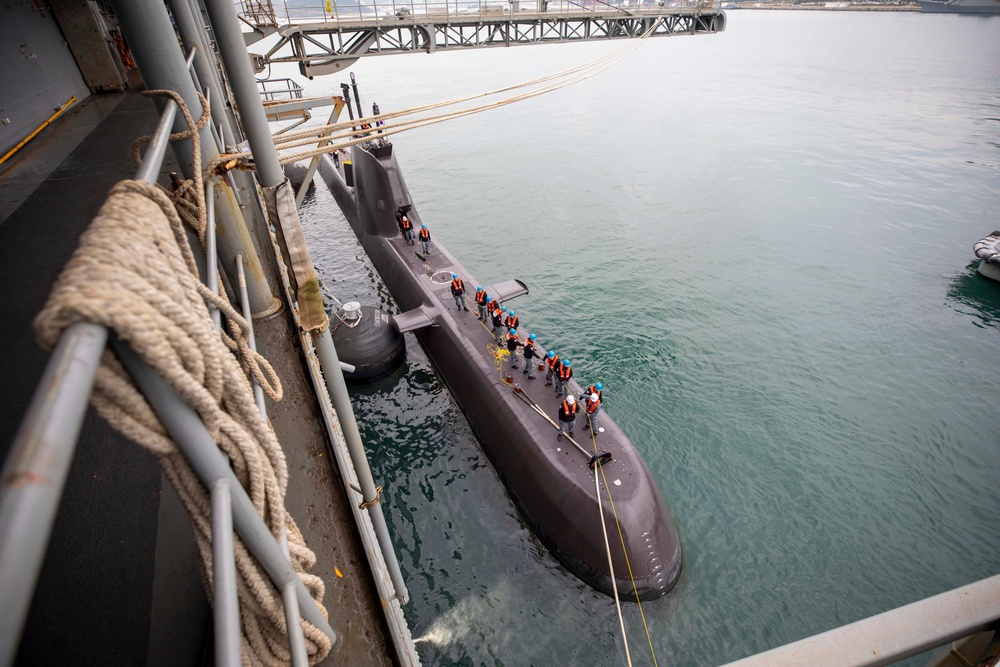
{"x": 121, "y": 578}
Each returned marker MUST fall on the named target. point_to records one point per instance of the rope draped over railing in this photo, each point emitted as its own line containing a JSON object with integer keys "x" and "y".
{"x": 135, "y": 274}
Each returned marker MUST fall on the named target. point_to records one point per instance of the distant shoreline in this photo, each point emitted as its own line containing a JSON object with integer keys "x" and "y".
{"x": 824, "y": 8}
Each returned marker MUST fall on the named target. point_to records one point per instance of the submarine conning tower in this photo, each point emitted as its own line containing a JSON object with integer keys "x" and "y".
{"x": 549, "y": 481}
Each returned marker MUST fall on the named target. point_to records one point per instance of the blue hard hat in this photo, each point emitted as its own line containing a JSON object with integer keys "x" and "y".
{"x": 423, "y": 226}
{"x": 532, "y": 336}
{"x": 454, "y": 275}
{"x": 513, "y": 332}
{"x": 551, "y": 354}
{"x": 566, "y": 362}
{"x": 503, "y": 308}
{"x": 488, "y": 298}
{"x": 598, "y": 386}
{"x": 479, "y": 288}
{"x": 513, "y": 313}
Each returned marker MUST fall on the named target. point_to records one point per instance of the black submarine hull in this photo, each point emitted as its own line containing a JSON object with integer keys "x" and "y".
{"x": 549, "y": 481}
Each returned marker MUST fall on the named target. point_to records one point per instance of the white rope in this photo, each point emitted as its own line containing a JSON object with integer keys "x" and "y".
{"x": 611, "y": 567}
{"x": 134, "y": 273}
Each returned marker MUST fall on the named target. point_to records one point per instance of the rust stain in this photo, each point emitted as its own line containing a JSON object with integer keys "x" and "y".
{"x": 17, "y": 480}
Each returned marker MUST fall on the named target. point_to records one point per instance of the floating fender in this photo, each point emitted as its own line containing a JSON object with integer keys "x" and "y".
{"x": 368, "y": 339}
{"x": 988, "y": 251}
{"x": 296, "y": 173}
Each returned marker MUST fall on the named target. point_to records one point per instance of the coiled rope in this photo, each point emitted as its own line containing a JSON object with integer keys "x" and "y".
{"x": 134, "y": 273}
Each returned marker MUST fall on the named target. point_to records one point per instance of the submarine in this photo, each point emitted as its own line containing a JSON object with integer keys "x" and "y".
{"x": 552, "y": 482}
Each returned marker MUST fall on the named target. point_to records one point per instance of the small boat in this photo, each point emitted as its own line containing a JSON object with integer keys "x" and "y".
{"x": 988, "y": 252}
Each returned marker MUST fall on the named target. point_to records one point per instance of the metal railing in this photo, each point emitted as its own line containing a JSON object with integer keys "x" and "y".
{"x": 279, "y": 89}
{"x": 391, "y": 11}
{"x": 35, "y": 472}
{"x": 895, "y": 635}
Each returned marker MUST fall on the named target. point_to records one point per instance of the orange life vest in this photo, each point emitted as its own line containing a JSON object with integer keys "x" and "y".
{"x": 569, "y": 408}
{"x": 511, "y": 322}
{"x": 593, "y": 390}
{"x": 425, "y": 235}
{"x": 565, "y": 372}
{"x": 592, "y": 405}
{"x": 405, "y": 222}
{"x": 456, "y": 285}
{"x": 552, "y": 362}
{"x": 481, "y": 297}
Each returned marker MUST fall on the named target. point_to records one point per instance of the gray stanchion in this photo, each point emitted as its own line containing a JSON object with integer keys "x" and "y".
{"x": 151, "y": 37}
{"x": 337, "y": 387}
{"x": 35, "y": 472}
{"x": 187, "y": 430}
{"x": 225, "y": 605}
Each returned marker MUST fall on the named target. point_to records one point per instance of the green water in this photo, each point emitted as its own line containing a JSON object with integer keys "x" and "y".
{"x": 760, "y": 242}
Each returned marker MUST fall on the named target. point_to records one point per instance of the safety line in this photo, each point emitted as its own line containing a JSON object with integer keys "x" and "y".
{"x": 611, "y": 567}
{"x": 621, "y": 537}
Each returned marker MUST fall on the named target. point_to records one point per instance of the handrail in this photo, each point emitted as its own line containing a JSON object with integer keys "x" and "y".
{"x": 894, "y": 635}
{"x": 34, "y": 474}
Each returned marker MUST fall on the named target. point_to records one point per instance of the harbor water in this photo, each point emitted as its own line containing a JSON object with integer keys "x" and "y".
{"x": 760, "y": 243}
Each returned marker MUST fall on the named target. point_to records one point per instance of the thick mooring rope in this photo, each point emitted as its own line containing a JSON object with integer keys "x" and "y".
{"x": 134, "y": 273}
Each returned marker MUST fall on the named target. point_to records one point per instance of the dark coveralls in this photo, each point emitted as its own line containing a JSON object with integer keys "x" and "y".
{"x": 529, "y": 354}
{"x": 563, "y": 374}
{"x": 457, "y": 291}
{"x": 425, "y": 240}
{"x": 481, "y": 302}
{"x": 498, "y": 324}
{"x": 512, "y": 344}
{"x": 567, "y": 415}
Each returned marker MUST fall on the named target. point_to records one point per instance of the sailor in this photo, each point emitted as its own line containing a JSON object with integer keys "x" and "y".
{"x": 595, "y": 388}
{"x": 482, "y": 299}
{"x": 407, "y": 227}
{"x": 511, "y": 322}
{"x": 458, "y": 291}
{"x": 567, "y": 415}
{"x": 592, "y": 408}
{"x": 563, "y": 374}
{"x": 530, "y": 353}
{"x": 498, "y": 313}
{"x": 552, "y": 359}
{"x": 513, "y": 342}
{"x": 425, "y": 239}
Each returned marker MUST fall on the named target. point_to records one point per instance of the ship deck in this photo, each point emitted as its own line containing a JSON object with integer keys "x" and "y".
{"x": 121, "y": 578}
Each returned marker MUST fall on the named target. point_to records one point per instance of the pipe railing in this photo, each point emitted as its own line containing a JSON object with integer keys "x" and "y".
{"x": 34, "y": 474}
{"x": 395, "y": 11}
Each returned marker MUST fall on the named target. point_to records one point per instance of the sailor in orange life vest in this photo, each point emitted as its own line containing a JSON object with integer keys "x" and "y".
{"x": 530, "y": 353}
{"x": 513, "y": 342}
{"x": 592, "y": 408}
{"x": 425, "y": 239}
{"x": 407, "y": 227}
{"x": 511, "y": 322}
{"x": 458, "y": 291}
{"x": 567, "y": 415}
{"x": 498, "y": 314}
{"x": 482, "y": 301}
{"x": 552, "y": 361}
{"x": 563, "y": 373}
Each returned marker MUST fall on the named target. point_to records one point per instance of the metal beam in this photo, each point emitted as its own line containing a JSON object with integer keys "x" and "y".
{"x": 330, "y": 46}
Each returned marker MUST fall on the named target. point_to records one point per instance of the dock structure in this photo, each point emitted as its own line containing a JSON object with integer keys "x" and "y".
{"x": 325, "y": 42}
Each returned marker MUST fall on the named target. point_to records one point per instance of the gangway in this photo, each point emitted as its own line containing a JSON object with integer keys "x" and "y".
{"x": 328, "y": 37}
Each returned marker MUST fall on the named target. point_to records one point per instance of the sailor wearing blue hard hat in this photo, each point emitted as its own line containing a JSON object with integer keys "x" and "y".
{"x": 482, "y": 298}
{"x": 513, "y": 342}
{"x": 563, "y": 374}
{"x": 590, "y": 399}
{"x": 458, "y": 291}
{"x": 552, "y": 360}
{"x": 425, "y": 238}
{"x": 530, "y": 352}
{"x": 511, "y": 322}
{"x": 497, "y": 318}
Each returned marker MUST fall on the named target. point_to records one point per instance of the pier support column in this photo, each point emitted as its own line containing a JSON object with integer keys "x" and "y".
{"x": 151, "y": 37}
